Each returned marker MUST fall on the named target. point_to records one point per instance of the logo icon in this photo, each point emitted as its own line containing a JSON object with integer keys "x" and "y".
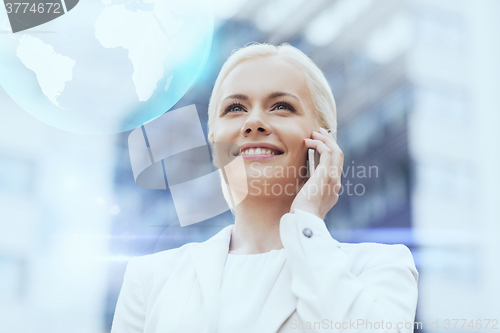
{"x": 171, "y": 152}
{"x": 26, "y": 14}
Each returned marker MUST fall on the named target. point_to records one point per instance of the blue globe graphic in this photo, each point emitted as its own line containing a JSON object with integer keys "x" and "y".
{"x": 106, "y": 66}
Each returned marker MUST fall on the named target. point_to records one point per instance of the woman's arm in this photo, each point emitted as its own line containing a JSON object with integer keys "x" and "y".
{"x": 131, "y": 306}
{"x": 380, "y": 286}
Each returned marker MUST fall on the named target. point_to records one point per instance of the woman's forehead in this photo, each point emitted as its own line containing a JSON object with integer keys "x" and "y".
{"x": 261, "y": 75}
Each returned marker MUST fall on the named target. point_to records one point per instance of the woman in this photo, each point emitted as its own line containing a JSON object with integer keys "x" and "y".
{"x": 277, "y": 269}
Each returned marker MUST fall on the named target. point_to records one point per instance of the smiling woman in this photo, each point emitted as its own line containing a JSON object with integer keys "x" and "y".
{"x": 277, "y": 268}
{"x": 293, "y": 91}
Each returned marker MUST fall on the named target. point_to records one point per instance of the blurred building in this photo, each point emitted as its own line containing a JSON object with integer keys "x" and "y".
{"x": 55, "y": 205}
{"x": 417, "y": 90}
{"x": 414, "y": 83}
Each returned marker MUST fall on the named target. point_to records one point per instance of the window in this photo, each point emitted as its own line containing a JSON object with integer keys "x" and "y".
{"x": 450, "y": 180}
{"x": 441, "y": 29}
{"x": 446, "y": 101}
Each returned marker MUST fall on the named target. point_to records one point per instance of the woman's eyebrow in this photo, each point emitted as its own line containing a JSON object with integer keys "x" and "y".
{"x": 270, "y": 96}
{"x": 280, "y": 93}
{"x": 237, "y": 96}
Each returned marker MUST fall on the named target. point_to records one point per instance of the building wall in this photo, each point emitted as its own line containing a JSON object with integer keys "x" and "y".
{"x": 55, "y": 212}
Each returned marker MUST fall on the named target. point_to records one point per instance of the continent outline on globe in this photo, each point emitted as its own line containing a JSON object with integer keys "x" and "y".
{"x": 69, "y": 77}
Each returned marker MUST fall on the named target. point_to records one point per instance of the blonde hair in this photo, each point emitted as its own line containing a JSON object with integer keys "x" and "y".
{"x": 318, "y": 89}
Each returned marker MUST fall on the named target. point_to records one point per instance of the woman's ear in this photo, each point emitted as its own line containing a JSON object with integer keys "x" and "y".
{"x": 215, "y": 160}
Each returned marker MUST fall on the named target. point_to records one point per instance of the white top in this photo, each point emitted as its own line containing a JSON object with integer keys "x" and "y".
{"x": 179, "y": 290}
{"x": 246, "y": 285}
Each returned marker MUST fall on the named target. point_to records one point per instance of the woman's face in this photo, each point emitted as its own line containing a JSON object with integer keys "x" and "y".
{"x": 264, "y": 101}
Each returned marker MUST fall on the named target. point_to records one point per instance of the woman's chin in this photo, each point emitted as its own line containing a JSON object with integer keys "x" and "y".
{"x": 273, "y": 187}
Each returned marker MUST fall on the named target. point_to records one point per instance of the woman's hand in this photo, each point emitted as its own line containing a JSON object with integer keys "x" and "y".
{"x": 320, "y": 193}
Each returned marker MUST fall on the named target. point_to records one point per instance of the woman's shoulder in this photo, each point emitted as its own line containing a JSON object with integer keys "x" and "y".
{"x": 369, "y": 255}
{"x": 372, "y": 250}
{"x": 162, "y": 259}
{"x": 371, "y": 247}
{"x": 160, "y": 265}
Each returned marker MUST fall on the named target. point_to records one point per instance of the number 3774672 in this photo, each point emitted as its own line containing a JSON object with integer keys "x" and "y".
{"x": 33, "y": 8}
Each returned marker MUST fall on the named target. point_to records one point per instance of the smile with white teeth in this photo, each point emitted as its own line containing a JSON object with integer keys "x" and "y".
{"x": 259, "y": 151}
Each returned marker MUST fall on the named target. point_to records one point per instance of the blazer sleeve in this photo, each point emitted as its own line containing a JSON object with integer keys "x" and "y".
{"x": 328, "y": 292}
{"x": 131, "y": 306}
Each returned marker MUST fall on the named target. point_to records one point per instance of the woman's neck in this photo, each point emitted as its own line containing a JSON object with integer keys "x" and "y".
{"x": 256, "y": 226}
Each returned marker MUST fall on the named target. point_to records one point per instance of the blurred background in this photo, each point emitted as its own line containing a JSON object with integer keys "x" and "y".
{"x": 417, "y": 85}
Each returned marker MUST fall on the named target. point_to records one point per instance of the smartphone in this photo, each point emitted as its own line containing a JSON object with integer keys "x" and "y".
{"x": 312, "y": 161}
{"x": 313, "y": 158}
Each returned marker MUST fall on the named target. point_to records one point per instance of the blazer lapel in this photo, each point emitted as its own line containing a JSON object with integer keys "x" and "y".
{"x": 208, "y": 259}
{"x": 280, "y": 304}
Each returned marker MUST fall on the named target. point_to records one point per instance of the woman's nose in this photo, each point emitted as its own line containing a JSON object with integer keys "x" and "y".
{"x": 255, "y": 124}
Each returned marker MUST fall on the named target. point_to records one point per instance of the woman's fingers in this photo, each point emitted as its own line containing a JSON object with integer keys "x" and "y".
{"x": 336, "y": 153}
{"x": 329, "y": 140}
{"x": 320, "y": 192}
{"x": 328, "y": 136}
{"x": 325, "y": 151}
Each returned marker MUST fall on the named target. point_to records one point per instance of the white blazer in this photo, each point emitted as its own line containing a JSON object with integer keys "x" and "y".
{"x": 333, "y": 285}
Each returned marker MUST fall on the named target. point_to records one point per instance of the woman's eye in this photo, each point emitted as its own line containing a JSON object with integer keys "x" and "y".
{"x": 239, "y": 108}
{"x": 284, "y": 106}
{"x": 234, "y": 108}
